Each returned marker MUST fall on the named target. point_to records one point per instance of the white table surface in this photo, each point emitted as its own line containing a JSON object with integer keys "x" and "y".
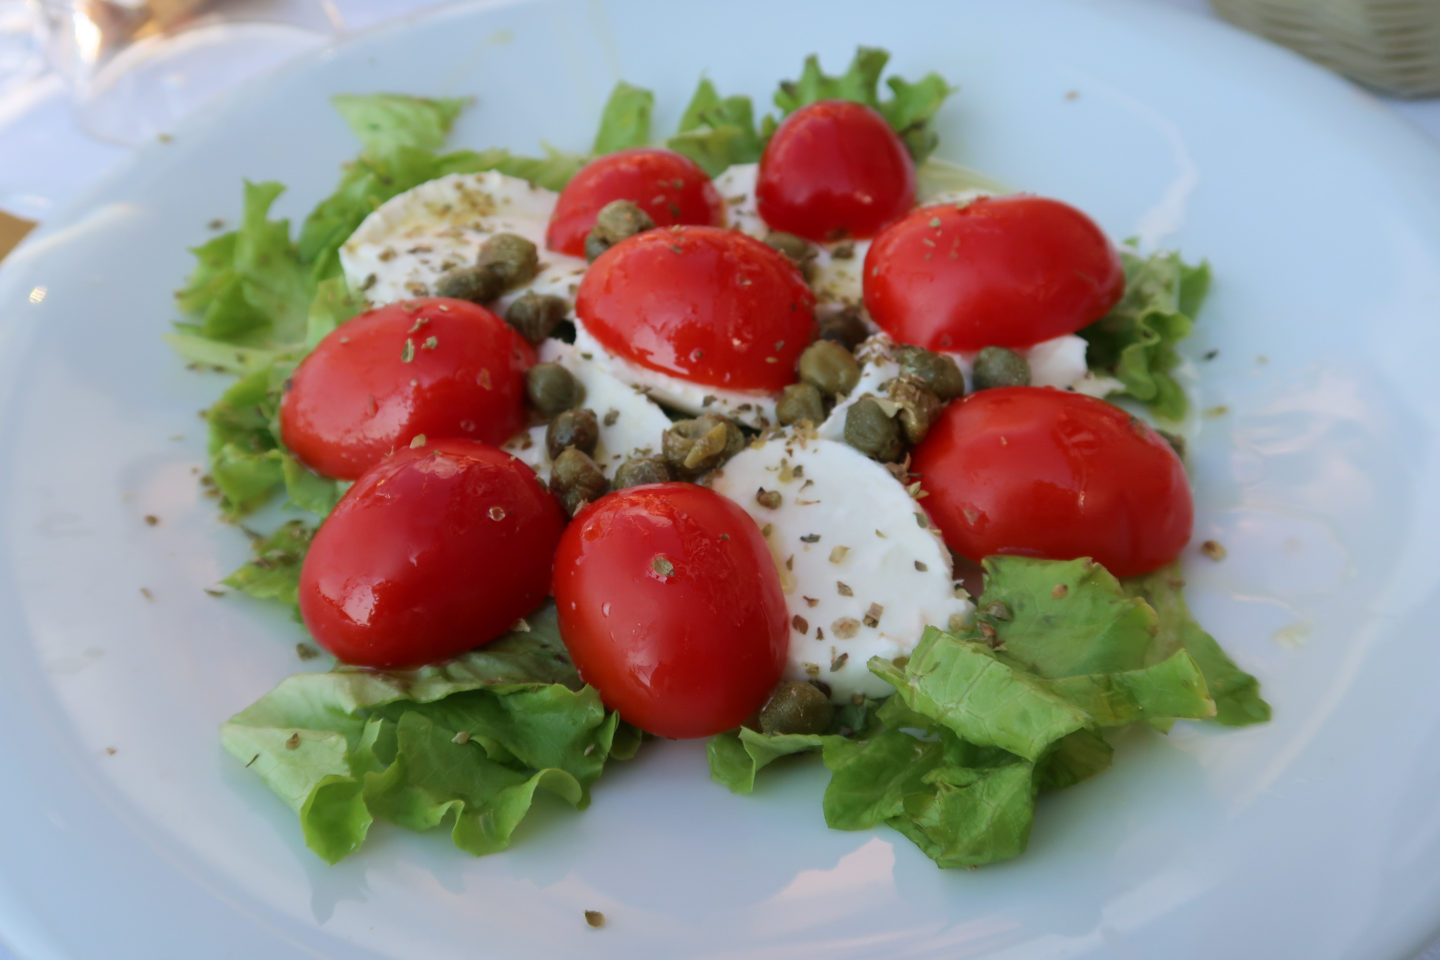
{"x": 47, "y": 161}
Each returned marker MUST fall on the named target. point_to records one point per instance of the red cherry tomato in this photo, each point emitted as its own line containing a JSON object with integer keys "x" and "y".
{"x": 834, "y": 169}
{"x": 436, "y": 550}
{"x": 671, "y": 607}
{"x": 444, "y": 368}
{"x": 669, "y": 186}
{"x": 707, "y": 305}
{"x": 1046, "y": 473}
{"x": 999, "y": 272}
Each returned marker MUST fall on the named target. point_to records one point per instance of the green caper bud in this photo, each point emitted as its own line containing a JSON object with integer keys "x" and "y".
{"x": 796, "y": 249}
{"x": 693, "y": 447}
{"x": 572, "y": 428}
{"x": 998, "y": 367}
{"x": 535, "y": 316}
{"x": 616, "y": 220}
{"x": 830, "y": 367}
{"x": 511, "y": 257}
{"x": 871, "y": 429}
{"x": 918, "y": 407}
{"x": 796, "y": 707}
{"x": 845, "y": 328}
{"x": 641, "y": 470}
{"x": 551, "y": 388}
{"x": 477, "y": 283}
{"x": 940, "y": 374}
{"x": 576, "y": 480}
{"x": 800, "y": 401}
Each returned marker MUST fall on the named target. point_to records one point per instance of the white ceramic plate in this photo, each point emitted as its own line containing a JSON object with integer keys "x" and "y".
{"x": 1316, "y": 836}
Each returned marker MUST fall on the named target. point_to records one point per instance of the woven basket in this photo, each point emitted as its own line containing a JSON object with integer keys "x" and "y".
{"x": 1392, "y": 45}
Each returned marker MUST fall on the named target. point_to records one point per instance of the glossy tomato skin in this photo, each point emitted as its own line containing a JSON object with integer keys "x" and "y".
{"x": 667, "y": 185}
{"x": 834, "y": 169}
{"x": 441, "y": 367}
{"x": 1041, "y": 472}
{"x": 707, "y": 305}
{"x": 998, "y": 272}
{"x": 671, "y": 607}
{"x": 432, "y": 552}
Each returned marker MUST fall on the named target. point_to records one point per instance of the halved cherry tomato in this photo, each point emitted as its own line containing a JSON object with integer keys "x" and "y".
{"x": 998, "y": 272}
{"x": 671, "y": 607}
{"x": 834, "y": 169}
{"x": 444, "y": 368}
{"x": 667, "y": 185}
{"x": 707, "y": 305}
{"x": 434, "y": 551}
{"x": 1040, "y": 472}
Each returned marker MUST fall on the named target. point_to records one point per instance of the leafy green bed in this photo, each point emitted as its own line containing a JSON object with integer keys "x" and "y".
{"x": 982, "y": 721}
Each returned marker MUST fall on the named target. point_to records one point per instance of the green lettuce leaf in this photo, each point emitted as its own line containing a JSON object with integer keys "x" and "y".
{"x": 1077, "y": 757}
{"x": 1172, "y": 689}
{"x": 1061, "y": 618}
{"x": 245, "y": 459}
{"x": 625, "y": 121}
{"x": 1235, "y": 692}
{"x": 1136, "y": 341}
{"x": 469, "y": 742}
{"x": 909, "y": 109}
{"x": 274, "y": 572}
{"x": 387, "y": 121}
{"x": 967, "y": 689}
{"x": 959, "y": 814}
{"x": 736, "y": 757}
{"x": 717, "y": 133}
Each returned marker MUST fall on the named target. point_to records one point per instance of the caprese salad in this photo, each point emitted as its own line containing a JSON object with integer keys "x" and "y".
{"x": 779, "y": 434}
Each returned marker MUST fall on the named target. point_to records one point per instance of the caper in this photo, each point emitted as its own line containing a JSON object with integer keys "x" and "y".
{"x": 797, "y": 249}
{"x": 843, "y": 327}
{"x": 872, "y": 429}
{"x": 940, "y": 374}
{"x": 551, "y": 388}
{"x": 796, "y": 707}
{"x": 535, "y": 316}
{"x": 641, "y": 470}
{"x": 693, "y": 447}
{"x": 998, "y": 367}
{"x": 476, "y": 283}
{"x": 572, "y": 428}
{"x": 576, "y": 480}
{"x": 616, "y": 220}
{"x": 800, "y": 401}
{"x": 918, "y": 407}
{"x": 511, "y": 257}
{"x": 830, "y": 367}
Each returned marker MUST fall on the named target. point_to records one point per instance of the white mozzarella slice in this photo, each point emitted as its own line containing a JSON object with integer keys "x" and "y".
{"x": 410, "y": 240}
{"x": 754, "y": 408}
{"x": 629, "y": 422}
{"x": 863, "y": 570}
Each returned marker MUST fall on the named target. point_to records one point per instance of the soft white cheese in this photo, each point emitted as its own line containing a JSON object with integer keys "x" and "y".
{"x": 754, "y": 408}
{"x": 862, "y": 569}
{"x": 629, "y": 422}
{"x": 401, "y": 248}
